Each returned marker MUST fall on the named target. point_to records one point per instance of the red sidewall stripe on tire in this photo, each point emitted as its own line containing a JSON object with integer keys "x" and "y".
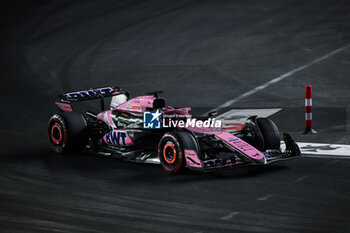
{"x": 60, "y": 121}
{"x": 179, "y": 155}
{"x": 169, "y": 144}
{"x": 55, "y": 126}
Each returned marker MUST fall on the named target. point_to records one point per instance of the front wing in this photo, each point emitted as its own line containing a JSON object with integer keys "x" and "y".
{"x": 292, "y": 151}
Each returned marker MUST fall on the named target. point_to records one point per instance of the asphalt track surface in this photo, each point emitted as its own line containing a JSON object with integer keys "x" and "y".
{"x": 202, "y": 54}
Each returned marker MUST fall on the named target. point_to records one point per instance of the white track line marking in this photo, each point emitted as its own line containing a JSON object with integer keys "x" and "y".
{"x": 229, "y": 216}
{"x": 264, "y": 198}
{"x": 241, "y": 115}
{"x": 234, "y": 119}
{"x": 301, "y": 179}
{"x": 279, "y": 78}
{"x": 322, "y": 150}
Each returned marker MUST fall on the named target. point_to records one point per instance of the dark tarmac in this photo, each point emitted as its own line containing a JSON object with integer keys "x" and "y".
{"x": 202, "y": 54}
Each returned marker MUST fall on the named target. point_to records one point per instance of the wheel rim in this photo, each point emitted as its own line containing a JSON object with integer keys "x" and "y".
{"x": 56, "y": 134}
{"x": 169, "y": 153}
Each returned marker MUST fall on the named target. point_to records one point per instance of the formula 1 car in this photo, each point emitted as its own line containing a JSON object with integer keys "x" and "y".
{"x": 122, "y": 132}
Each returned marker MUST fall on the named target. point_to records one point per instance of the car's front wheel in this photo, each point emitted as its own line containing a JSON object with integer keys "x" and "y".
{"x": 262, "y": 133}
{"x": 171, "y": 152}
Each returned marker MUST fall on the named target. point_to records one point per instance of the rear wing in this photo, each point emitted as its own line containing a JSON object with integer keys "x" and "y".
{"x": 65, "y": 100}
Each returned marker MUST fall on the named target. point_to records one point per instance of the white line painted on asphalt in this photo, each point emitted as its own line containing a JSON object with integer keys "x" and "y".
{"x": 322, "y": 150}
{"x": 230, "y": 215}
{"x": 301, "y": 178}
{"x": 264, "y": 198}
{"x": 279, "y": 78}
{"x": 234, "y": 119}
{"x": 241, "y": 115}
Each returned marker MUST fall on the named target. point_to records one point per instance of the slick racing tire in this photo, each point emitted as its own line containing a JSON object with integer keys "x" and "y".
{"x": 262, "y": 133}
{"x": 67, "y": 132}
{"x": 270, "y": 133}
{"x": 171, "y": 150}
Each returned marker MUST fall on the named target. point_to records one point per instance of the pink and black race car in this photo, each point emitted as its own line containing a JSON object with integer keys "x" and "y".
{"x": 142, "y": 129}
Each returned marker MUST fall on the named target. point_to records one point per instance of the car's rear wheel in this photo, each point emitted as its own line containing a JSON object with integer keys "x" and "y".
{"x": 67, "y": 132}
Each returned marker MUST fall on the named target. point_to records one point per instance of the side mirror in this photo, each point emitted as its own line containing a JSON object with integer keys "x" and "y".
{"x": 213, "y": 114}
